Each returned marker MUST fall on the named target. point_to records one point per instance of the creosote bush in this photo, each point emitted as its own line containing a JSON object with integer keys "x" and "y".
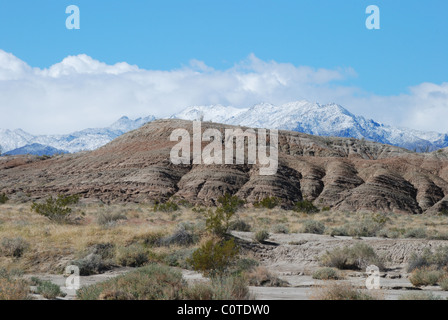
{"x": 214, "y": 257}
{"x": 261, "y": 236}
{"x": 14, "y": 247}
{"x": 168, "y": 206}
{"x": 326, "y": 274}
{"x": 58, "y": 209}
{"x": 48, "y": 289}
{"x": 313, "y": 226}
{"x": 305, "y": 206}
{"x": 425, "y": 277}
{"x": 356, "y": 257}
{"x": 268, "y": 203}
{"x": 3, "y": 198}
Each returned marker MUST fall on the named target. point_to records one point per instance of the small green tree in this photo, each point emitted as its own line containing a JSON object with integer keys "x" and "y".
{"x": 3, "y": 198}
{"x": 305, "y": 206}
{"x": 214, "y": 257}
{"x": 56, "y": 209}
{"x": 217, "y": 222}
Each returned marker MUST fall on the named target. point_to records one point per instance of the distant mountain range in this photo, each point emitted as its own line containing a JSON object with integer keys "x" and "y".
{"x": 317, "y": 119}
{"x": 21, "y": 142}
{"x": 301, "y": 116}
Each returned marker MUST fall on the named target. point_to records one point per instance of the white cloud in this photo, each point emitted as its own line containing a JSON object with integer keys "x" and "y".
{"x": 81, "y": 92}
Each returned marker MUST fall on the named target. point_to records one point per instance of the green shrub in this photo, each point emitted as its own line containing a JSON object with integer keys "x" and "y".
{"x": 261, "y": 277}
{"x": 339, "y": 231}
{"x": 305, "y": 206}
{"x": 425, "y": 277}
{"x": 261, "y": 236}
{"x": 280, "y": 228}
{"x": 357, "y": 257}
{"x": 152, "y": 282}
{"x": 437, "y": 259}
{"x": 313, "y": 226}
{"x": 179, "y": 258}
{"x": 14, "y": 247}
{"x": 3, "y": 198}
{"x": 56, "y": 209}
{"x": 245, "y": 265}
{"x": 132, "y": 256}
{"x": 168, "y": 206}
{"x": 443, "y": 283}
{"x": 13, "y": 287}
{"x": 340, "y": 291}
{"x": 220, "y": 288}
{"x": 214, "y": 257}
{"x": 49, "y": 290}
{"x": 419, "y": 233}
{"x": 268, "y": 203}
{"x": 240, "y": 225}
{"x": 218, "y": 222}
{"x": 230, "y": 204}
{"x": 326, "y": 274}
{"x": 109, "y": 219}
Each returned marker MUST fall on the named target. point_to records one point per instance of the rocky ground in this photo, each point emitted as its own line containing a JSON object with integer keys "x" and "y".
{"x": 295, "y": 257}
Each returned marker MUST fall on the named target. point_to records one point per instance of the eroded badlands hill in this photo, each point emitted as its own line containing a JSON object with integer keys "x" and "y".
{"x": 345, "y": 174}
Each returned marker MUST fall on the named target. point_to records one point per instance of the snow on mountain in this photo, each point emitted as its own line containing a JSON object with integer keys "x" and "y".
{"x": 317, "y": 119}
{"x": 214, "y": 113}
{"x": 88, "y": 139}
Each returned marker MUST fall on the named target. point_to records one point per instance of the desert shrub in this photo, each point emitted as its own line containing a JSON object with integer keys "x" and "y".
{"x": 325, "y": 209}
{"x": 150, "y": 239}
{"x": 418, "y": 233}
{"x": 339, "y": 231}
{"x": 49, "y": 290}
{"x": 220, "y": 288}
{"x": 132, "y": 256}
{"x": 109, "y": 219}
{"x": 305, "y": 206}
{"x": 179, "y": 258}
{"x": 261, "y": 277}
{"x": 214, "y": 257}
{"x": 3, "y": 198}
{"x": 326, "y": 274}
{"x": 180, "y": 237}
{"x": 357, "y": 257}
{"x": 443, "y": 283}
{"x": 313, "y": 226}
{"x": 229, "y": 203}
{"x": 280, "y": 228}
{"x": 388, "y": 233}
{"x": 152, "y": 282}
{"x": 245, "y": 265}
{"x": 14, "y": 247}
{"x": 99, "y": 258}
{"x": 218, "y": 222}
{"x": 340, "y": 291}
{"x": 91, "y": 264}
{"x": 425, "y": 277}
{"x": 13, "y": 287}
{"x": 438, "y": 259}
{"x": 268, "y": 203}
{"x": 261, "y": 236}
{"x": 56, "y": 209}
{"x": 240, "y": 225}
{"x": 168, "y": 206}
{"x": 366, "y": 227}
{"x": 419, "y": 296}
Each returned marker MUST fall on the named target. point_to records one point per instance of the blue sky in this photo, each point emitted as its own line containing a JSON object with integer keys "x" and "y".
{"x": 410, "y": 49}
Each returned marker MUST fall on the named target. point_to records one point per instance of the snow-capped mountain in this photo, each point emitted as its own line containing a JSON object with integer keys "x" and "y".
{"x": 317, "y": 119}
{"x": 11, "y": 141}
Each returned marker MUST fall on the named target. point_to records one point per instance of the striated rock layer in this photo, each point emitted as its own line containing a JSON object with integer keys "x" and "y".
{"x": 344, "y": 174}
